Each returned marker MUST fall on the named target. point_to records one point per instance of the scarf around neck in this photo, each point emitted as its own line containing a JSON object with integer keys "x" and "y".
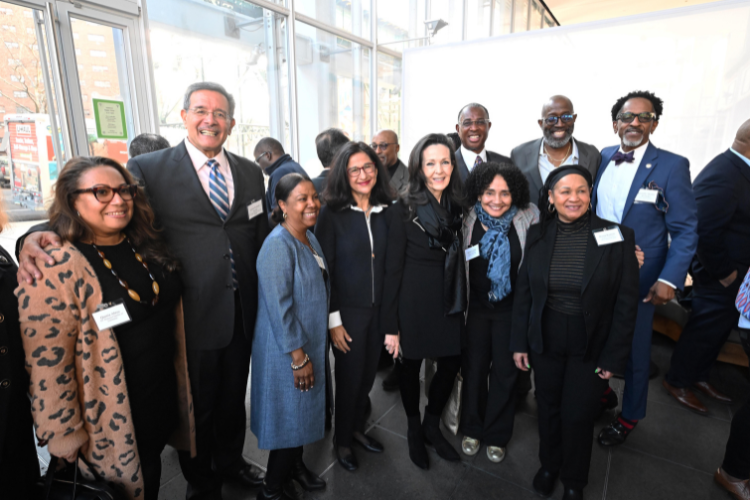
{"x": 495, "y": 247}
{"x": 442, "y": 223}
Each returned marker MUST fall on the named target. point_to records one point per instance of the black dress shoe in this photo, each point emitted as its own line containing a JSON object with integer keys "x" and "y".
{"x": 348, "y": 461}
{"x": 392, "y": 382}
{"x": 369, "y": 444}
{"x": 249, "y": 475}
{"x": 544, "y": 483}
{"x": 306, "y": 479}
{"x": 434, "y": 437}
{"x": 273, "y": 493}
{"x": 572, "y": 494}
{"x": 614, "y": 434}
{"x": 415, "y": 438}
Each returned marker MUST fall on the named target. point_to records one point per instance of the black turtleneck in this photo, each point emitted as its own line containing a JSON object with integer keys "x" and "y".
{"x": 566, "y": 268}
{"x": 392, "y": 169}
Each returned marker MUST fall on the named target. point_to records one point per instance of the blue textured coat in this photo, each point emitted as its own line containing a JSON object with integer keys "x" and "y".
{"x": 292, "y": 313}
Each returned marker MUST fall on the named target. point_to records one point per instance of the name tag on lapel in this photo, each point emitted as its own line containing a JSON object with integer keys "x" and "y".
{"x": 111, "y": 314}
{"x": 472, "y": 253}
{"x": 254, "y": 209}
{"x": 608, "y": 236}
{"x": 646, "y": 195}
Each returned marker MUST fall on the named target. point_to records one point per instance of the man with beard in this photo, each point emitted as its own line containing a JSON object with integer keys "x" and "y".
{"x": 555, "y": 148}
{"x": 473, "y": 128}
{"x": 647, "y": 189}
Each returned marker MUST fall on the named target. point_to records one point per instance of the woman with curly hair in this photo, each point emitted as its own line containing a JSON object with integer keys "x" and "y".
{"x": 494, "y": 233}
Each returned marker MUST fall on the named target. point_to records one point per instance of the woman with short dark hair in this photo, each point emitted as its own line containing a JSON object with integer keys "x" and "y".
{"x": 353, "y": 232}
{"x": 425, "y": 245}
{"x": 494, "y": 232}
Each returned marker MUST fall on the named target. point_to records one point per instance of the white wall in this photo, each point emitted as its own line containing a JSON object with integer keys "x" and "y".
{"x": 697, "y": 59}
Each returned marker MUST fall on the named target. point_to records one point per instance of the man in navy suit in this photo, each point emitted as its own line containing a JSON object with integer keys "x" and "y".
{"x": 722, "y": 194}
{"x": 648, "y": 190}
{"x": 473, "y": 128}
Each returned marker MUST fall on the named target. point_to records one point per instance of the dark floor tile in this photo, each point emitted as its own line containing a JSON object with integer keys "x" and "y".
{"x": 392, "y": 475}
{"x": 479, "y": 484}
{"x": 634, "y": 475}
{"x": 174, "y": 489}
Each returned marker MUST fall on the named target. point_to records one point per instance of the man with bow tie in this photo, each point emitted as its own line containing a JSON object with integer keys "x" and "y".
{"x": 647, "y": 189}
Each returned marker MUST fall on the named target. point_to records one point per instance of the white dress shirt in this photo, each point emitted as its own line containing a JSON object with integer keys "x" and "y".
{"x": 546, "y": 167}
{"x": 199, "y": 162}
{"x": 470, "y": 157}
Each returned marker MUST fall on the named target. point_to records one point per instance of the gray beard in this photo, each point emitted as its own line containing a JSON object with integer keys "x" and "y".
{"x": 632, "y": 144}
{"x": 557, "y": 144}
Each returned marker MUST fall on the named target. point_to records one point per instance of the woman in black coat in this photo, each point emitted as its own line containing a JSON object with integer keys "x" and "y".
{"x": 573, "y": 321}
{"x": 19, "y": 466}
{"x": 425, "y": 244}
{"x": 352, "y": 230}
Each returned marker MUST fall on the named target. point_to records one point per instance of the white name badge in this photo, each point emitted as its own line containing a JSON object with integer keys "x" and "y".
{"x": 472, "y": 253}
{"x": 320, "y": 262}
{"x": 254, "y": 209}
{"x": 608, "y": 236}
{"x": 647, "y": 196}
{"x": 111, "y": 315}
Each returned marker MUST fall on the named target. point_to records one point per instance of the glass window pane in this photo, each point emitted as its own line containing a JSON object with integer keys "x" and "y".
{"x": 537, "y": 13}
{"x": 521, "y": 16}
{"x": 245, "y": 51}
{"x": 548, "y": 22}
{"x": 401, "y": 20}
{"x": 478, "y": 16}
{"x": 501, "y": 20}
{"x": 333, "y": 85}
{"x": 452, "y": 12}
{"x": 350, "y": 15}
{"x": 389, "y": 93}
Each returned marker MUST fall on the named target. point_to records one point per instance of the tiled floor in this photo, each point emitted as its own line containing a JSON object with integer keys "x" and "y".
{"x": 672, "y": 454}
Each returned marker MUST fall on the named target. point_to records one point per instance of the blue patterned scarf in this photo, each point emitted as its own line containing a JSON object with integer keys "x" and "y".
{"x": 495, "y": 247}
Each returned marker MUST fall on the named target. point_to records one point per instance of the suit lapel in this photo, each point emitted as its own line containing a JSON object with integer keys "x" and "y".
{"x": 461, "y": 164}
{"x": 648, "y": 165}
{"x": 237, "y": 180}
{"x": 594, "y": 252}
{"x": 737, "y": 162}
{"x": 584, "y": 159}
{"x": 532, "y": 160}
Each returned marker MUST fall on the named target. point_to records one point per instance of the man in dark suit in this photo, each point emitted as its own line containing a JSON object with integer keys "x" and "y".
{"x": 270, "y": 155}
{"x": 473, "y": 128}
{"x": 648, "y": 190}
{"x": 217, "y": 247}
{"x": 386, "y": 146}
{"x": 556, "y": 147}
{"x": 327, "y": 144}
{"x": 722, "y": 194}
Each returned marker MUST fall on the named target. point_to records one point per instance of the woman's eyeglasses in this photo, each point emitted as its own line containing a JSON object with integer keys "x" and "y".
{"x": 354, "y": 171}
{"x": 105, "y": 194}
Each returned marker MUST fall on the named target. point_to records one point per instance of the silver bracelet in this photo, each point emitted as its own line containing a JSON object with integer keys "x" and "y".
{"x": 302, "y": 365}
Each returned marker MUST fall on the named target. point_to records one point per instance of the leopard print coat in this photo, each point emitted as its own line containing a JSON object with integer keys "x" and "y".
{"x": 77, "y": 387}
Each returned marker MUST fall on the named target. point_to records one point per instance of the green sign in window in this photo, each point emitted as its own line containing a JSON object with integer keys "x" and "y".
{"x": 110, "y": 119}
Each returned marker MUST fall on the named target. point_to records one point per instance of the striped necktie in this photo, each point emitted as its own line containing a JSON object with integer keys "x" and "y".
{"x": 478, "y": 161}
{"x": 743, "y": 297}
{"x": 219, "y": 195}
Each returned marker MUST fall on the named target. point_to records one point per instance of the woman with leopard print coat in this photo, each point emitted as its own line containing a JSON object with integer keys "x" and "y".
{"x": 114, "y": 392}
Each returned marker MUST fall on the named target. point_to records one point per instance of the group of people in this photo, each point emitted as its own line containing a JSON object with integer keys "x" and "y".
{"x": 138, "y": 305}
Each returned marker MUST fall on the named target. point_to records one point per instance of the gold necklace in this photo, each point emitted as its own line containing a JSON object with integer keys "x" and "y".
{"x": 132, "y": 293}
{"x": 559, "y": 162}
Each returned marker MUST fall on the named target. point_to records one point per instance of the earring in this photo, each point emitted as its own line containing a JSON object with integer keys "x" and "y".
{"x": 550, "y": 208}
{"x": 284, "y": 215}
{"x": 78, "y": 213}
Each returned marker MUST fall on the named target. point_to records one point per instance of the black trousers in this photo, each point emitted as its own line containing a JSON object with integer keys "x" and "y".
{"x": 150, "y": 455}
{"x": 567, "y": 394}
{"x": 487, "y": 414}
{"x": 355, "y": 371}
{"x": 19, "y": 465}
{"x": 737, "y": 453}
{"x": 218, "y": 379}
{"x": 280, "y": 463}
{"x": 711, "y": 321}
{"x": 440, "y": 388}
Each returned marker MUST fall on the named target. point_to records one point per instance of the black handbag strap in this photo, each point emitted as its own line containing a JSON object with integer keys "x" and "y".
{"x": 51, "y": 476}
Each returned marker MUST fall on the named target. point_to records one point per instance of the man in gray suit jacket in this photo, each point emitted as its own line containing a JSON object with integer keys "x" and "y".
{"x": 217, "y": 249}
{"x": 473, "y": 128}
{"x": 385, "y": 144}
{"x": 555, "y": 148}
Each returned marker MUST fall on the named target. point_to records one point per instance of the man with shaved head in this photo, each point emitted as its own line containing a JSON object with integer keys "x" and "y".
{"x": 385, "y": 144}
{"x": 473, "y": 128}
{"x": 556, "y": 147}
{"x": 722, "y": 194}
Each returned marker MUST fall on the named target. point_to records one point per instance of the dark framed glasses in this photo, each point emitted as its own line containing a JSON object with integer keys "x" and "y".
{"x": 354, "y": 172}
{"x": 382, "y": 145}
{"x": 552, "y": 120}
{"x": 642, "y": 117}
{"x": 104, "y": 194}
{"x": 479, "y": 123}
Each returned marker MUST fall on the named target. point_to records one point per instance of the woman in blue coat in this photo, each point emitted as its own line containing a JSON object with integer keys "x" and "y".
{"x": 288, "y": 388}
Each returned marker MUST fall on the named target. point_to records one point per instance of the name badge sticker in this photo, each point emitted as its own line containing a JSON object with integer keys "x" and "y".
{"x": 472, "y": 253}
{"x": 608, "y": 236}
{"x": 646, "y": 195}
{"x": 111, "y": 314}
{"x": 254, "y": 209}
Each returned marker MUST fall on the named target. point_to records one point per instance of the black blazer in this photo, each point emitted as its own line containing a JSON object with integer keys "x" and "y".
{"x": 609, "y": 295}
{"x": 722, "y": 195}
{"x": 463, "y": 170}
{"x": 357, "y": 271}
{"x": 200, "y": 240}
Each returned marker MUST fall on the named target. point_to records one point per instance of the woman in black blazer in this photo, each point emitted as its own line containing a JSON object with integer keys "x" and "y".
{"x": 353, "y": 231}
{"x": 573, "y": 320}
{"x": 425, "y": 244}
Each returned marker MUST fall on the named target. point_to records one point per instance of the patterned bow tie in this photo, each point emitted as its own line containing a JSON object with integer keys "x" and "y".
{"x": 620, "y": 157}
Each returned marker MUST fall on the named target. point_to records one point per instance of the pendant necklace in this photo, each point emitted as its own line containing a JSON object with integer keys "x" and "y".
{"x": 132, "y": 293}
